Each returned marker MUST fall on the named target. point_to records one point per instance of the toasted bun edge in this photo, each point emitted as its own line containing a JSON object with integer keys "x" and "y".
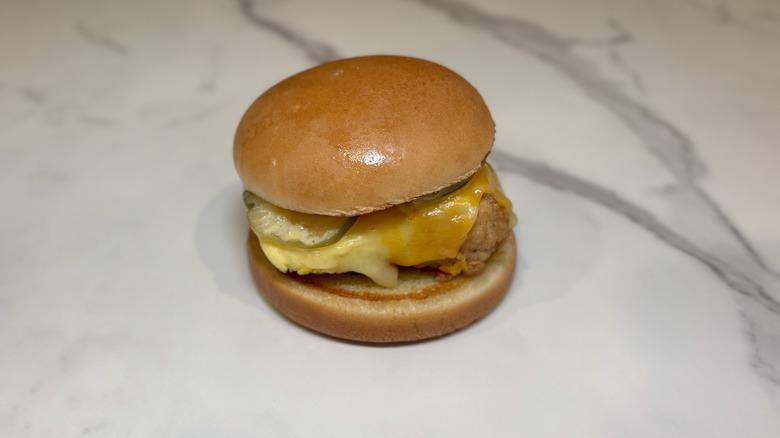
{"x": 349, "y": 306}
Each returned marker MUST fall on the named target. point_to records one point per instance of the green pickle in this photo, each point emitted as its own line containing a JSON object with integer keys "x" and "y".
{"x": 291, "y": 228}
{"x": 443, "y": 192}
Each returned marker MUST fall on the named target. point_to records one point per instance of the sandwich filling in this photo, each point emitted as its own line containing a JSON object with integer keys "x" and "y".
{"x": 454, "y": 231}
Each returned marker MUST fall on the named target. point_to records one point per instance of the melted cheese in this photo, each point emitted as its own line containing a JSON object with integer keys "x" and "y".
{"x": 404, "y": 235}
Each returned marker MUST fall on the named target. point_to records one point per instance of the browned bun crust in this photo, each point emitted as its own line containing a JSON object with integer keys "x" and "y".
{"x": 351, "y": 306}
{"x": 361, "y": 134}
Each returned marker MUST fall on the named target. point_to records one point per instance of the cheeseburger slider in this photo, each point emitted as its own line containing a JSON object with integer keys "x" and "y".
{"x": 374, "y": 215}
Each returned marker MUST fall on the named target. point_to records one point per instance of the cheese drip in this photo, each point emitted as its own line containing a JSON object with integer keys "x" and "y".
{"x": 403, "y": 235}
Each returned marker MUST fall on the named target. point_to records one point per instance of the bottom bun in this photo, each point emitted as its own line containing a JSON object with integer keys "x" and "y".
{"x": 351, "y": 306}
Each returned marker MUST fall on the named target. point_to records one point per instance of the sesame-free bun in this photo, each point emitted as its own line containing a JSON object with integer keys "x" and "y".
{"x": 358, "y": 135}
{"x": 351, "y": 306}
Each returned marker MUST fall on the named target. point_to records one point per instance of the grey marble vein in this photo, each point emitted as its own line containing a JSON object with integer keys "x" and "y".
{"x": 669, "y": 144}
{"x": 751, "y": 279}
{"x": 209, "y": 83}
{"x": 762, "y": 323}
{"x": 315, "y": 51}
{"x": 195, "y": 116}
{"x": 634, "y": 77}
{"x": 559, "y": 180}
{"x": 722, "y": 14}
{"x": 664, "y": 140}
{"x": 617, "y": 59}
{"x": 34, "y": 96}
{"x": 98, "y": 120}
{"x": 101, "y": 40}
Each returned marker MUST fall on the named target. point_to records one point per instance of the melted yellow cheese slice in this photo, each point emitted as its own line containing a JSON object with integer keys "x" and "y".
{"x": 409, "y": 234}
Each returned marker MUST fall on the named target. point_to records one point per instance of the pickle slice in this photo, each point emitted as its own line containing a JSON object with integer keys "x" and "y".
{"x": 291, "y": 228}
{"x": 443, "y": 192}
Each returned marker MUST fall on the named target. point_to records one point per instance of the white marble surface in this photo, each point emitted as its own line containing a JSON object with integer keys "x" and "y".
{"x": 639, "y": 141}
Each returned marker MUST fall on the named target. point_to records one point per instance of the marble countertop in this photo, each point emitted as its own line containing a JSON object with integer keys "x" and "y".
{"x": 638, "y": 140}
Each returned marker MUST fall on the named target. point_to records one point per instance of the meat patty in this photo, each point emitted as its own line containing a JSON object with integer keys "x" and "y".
{"x": 489, "y": 230}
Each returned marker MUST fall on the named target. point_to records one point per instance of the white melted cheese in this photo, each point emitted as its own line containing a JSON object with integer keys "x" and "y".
{"x": 406, "y": 235}
{"x": 364, "y": 253}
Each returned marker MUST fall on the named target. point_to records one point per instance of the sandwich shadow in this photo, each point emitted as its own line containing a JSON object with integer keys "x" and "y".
{"x": 220, "y": 239}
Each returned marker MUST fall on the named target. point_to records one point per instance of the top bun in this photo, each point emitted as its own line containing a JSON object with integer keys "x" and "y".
{"x": 358, "y": 135}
